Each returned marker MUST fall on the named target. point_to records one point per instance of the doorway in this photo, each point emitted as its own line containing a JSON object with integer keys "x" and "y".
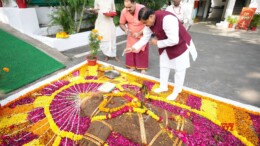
{"x": 239, "y": 4}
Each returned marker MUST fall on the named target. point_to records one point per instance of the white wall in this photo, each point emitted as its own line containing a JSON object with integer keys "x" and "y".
{"x": 255, "y": 4}
{"x": 27, "y": 22}
{"x": 43, "y": 14}
{"x": 24, "y": 20}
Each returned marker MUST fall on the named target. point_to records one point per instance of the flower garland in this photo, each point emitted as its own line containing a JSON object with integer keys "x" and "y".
{"x": 134, "y": 102}
{"x": 125, "y": 110}
{"x": 133, "y": 106}
{"x": 148, "y": 112}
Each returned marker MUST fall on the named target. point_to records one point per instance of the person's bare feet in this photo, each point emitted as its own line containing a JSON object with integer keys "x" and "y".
{"x": 131, "y": 69}
{"x": 117, "y": 59}
{"x": 143, "y": 71}
{"x": 106, "y": 58}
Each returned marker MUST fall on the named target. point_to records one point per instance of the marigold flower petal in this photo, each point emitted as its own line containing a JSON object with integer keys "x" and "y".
{"x": 6, "y": 69}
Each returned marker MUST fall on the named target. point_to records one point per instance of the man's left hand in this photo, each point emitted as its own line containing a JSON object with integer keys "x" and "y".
{"x": 127, "y": 50}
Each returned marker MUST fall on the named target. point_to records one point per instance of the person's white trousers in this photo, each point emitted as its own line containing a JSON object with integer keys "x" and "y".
{"x": 179, "y": 78}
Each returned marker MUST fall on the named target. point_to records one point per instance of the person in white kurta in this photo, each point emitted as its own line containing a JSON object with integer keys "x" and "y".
{"x": 179, "y": 64}
{"x": 106, "y": 27}
{"x": 181, "y": 11}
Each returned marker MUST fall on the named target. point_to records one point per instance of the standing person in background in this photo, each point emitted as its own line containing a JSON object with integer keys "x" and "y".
{"x": 133, "y": 28}
{"x": 106, "y": 28}
{"x": 181, "y": 11}
{"x": 174, "y": 43}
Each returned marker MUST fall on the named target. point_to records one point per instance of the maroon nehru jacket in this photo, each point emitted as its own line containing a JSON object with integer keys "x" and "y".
{"x": 184, "y": 37}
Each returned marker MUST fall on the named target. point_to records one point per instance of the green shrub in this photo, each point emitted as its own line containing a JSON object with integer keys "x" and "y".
{"x": 232, "y": 20}
{"x": 255, "y": 21}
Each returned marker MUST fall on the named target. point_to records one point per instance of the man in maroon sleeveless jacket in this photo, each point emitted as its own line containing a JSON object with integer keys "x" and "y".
{"x": 174, "y": 44}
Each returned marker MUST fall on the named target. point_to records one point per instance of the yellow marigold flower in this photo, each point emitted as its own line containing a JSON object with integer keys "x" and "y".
{"x": 94, "y": 30}
{"x": 6, "y": 69}
{"x": 100, "y": 38}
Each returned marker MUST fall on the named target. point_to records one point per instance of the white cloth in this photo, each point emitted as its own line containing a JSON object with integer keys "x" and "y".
{"x": 164, "y": 77}
{"x": 171, "y": 28}
{"x": 106, "y": 27}
{"x": 179, "y": 78}
{"x": 182, "y": 12}
{"x": 108, "y": 48}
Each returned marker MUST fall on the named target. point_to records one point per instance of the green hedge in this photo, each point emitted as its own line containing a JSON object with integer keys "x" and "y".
{"x": 43, "y": 2}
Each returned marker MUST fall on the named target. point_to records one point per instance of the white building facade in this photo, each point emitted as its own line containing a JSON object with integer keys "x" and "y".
{"x": 218, "y": 10}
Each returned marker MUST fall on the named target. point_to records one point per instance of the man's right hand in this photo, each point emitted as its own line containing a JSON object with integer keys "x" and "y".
{"x": 128, "y": 50}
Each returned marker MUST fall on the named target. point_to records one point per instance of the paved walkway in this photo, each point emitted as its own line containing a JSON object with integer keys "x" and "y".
{"x": 228, "y": 64}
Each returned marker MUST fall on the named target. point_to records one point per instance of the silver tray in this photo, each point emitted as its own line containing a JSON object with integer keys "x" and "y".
{"x": 112, "y": 74}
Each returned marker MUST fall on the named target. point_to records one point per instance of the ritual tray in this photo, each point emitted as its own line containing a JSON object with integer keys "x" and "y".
{"x": 112, "y": 74}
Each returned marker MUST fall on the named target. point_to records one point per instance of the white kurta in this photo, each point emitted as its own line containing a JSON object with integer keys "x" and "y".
{"x": 171, "y": 28}
{"x": 106, "y": 27}
{"x": 182, "y": 12}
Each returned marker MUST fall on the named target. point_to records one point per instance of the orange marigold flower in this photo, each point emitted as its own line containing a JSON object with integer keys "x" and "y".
{"x": 6, "y": 69}
{"x": 94, "y": 30}
{"x": 100, "y": 38}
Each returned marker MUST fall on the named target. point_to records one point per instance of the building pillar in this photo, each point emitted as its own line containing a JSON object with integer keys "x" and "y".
{"x": 206, "y": 10}
{"x": 230, "y": 7}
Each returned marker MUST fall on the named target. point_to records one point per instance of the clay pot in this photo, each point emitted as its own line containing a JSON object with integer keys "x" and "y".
{"x": 92, "y": 61}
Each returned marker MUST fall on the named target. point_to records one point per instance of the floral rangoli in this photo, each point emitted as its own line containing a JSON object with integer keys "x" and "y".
{"x": 72, "y": 111}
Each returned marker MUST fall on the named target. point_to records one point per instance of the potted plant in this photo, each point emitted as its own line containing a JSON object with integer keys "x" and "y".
{"x": 255, "y": 22}
{"x": 69, "y": 15}
{"x": 94, "y": 44}
{"x": 231, "y": 20}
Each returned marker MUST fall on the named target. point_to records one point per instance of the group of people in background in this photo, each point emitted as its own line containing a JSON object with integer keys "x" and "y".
{"x": 143, "y": 26}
